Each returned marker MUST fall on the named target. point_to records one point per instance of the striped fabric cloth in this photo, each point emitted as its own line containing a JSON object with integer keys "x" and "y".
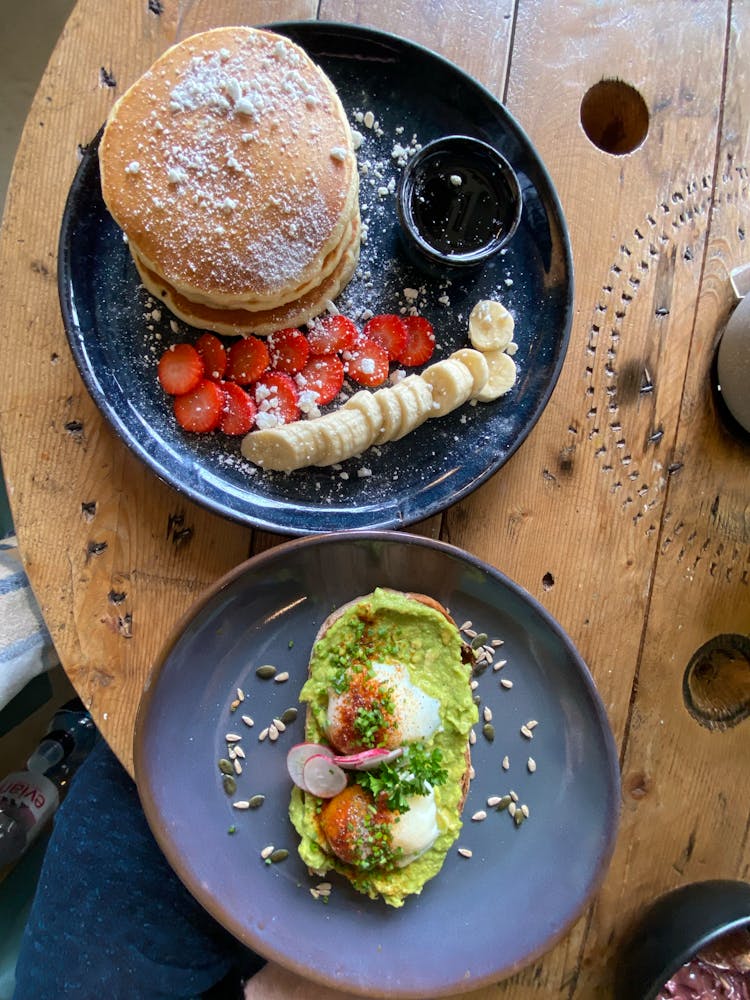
{"x": 25, "y": 645}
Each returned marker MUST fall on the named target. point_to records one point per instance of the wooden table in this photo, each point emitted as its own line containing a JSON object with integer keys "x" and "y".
{"x": 626, "y": 512}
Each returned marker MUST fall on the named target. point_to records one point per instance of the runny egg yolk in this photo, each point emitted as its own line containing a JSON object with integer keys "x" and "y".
{"x": 361, "y": 833}
{"x": 381, "y": 707}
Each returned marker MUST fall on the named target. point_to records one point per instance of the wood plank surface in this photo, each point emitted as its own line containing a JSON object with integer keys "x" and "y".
{"x": 625, "y": 513}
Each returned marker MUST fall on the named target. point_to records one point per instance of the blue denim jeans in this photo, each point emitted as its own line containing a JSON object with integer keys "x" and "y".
{"x": 110, "y": 919}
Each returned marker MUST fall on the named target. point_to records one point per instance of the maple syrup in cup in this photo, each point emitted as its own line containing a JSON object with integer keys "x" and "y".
{"x": 459, "y": 203}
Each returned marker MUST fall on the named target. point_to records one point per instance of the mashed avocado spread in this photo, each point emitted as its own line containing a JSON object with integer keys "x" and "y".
{"x": 388, "y": 627}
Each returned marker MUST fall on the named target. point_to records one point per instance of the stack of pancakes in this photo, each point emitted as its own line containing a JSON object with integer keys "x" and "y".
{"x": 230, "y": 168}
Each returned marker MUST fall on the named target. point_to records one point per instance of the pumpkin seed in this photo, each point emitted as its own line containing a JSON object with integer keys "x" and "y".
{"x": 225, "y": 766}
{"x": 256, "y": 801}
{"x": 230, "y": 785}
{"x": 265, "y": 672}
{"x": 289, "y": 716}
{"x": 479, "y": 640}
{"x": 280, "y": 855}
{"x": 519, "y": 817}
{"x": 505, "y": 802}
{"x": 489, "y": 731}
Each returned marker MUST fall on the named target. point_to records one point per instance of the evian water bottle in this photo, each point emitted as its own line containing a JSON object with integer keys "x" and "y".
{"x": 29, "y": 798}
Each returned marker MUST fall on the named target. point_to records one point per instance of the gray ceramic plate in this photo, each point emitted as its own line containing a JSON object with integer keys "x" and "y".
{"x": 521, "y": 889}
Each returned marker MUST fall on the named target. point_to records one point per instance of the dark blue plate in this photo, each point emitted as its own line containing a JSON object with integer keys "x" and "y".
{"x": 116, "y": 341}
{"x": 482, "y": 917}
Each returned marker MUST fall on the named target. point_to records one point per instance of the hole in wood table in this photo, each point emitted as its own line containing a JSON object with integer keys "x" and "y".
{"x": 716, "y": 685}
{"x": 614, "y": 116}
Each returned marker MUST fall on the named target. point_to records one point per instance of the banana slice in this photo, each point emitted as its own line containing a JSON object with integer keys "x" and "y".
{"x": 366, "y": 402}
{"x": 345, "y": 432}
{"x": 476, "y": 362}
{"x": 414, "y": 396}
{"x": 502, "y": 376}
{"x": 282, "y": 449}
{"x": 452, "y": 384}
{"x": 391, "y": 415}
{"x": 490, "y": 326}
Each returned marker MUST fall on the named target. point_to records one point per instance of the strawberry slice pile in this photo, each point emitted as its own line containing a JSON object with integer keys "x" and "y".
{"x": 255, "y": 383}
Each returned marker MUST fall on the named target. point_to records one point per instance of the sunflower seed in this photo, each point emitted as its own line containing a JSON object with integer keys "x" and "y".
{"x": 240, "y": 694}
{"x": 289, "y": 715}
{"x": 513, "y": 795}
{"x": 273, "y": 732}
{"x": 531, "y": 765}
{"x": 493, "y": 800}
{"x": 241, "y": 804}
{"x": 237, "y": 766}
{"x": 267, "y": 851}
{"x": 464, "y": 852}
{"x": 470, "y": 631}
{"x": 479, "y": 816}
{"x": 506, "y": 763}
{"x": 499, "y": 664}
{"x": 248, "y": 721}
{"x": 265, "y": 672}
{"x": 496, "y": 642}
{"x": 465, "y": 626}
{"x": 525, "y": 810}
{"x": 256, "y": 801}
{"x": 487, "y": 712}
{"x": 262, "y": 734}
{"x": 279, "y": 725}
{"x": 472, "y": 772}
{"x": 239, "y": 752}
{"x": 532, "y": 724}
{"x": 474, "y": 685}
{"x": 472, "y": 737}
{"x": 525, "y": 731}
{"x": 506, "y": 683}
{"x": 231, "y": 753}
{"x": 512, "y": 808}
{"x": 283, "y": 676}
{"x": 232, "y": 738}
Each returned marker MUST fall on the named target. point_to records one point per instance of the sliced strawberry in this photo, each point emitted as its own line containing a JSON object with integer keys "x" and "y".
{"x": 331, "y": 334}
{"x": 367, "y": 363}
{"x": 389, "y": 331}
{"x": 420, "y": 343}
{"x": 324, "y": 376}
{"x": 289, "y": 351}
{"x": 213, "y": 355}
{"x": 201, "y": 409}
{"x": 238, "y": 413}
{"x": 276, "y": 397}
{"x": 180, "y": 369}
{"x": 247, "y": 359}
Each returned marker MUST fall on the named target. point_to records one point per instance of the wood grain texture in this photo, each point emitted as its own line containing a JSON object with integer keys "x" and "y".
{"x": 625, "y": 512}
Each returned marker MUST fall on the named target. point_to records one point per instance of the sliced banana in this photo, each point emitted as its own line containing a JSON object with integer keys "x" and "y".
{"x": 391, "y": 415}
{"x": 490, "y": 326}
{"x": 346, "y": 433}
{"x": 476, "y": 362}
{"x": 414, "y": 396}
{"x": 452, "y": 385}
{"x": 366, "y": 402}
{"x": 281, "y": 449}
{"x": 502, "y": 376}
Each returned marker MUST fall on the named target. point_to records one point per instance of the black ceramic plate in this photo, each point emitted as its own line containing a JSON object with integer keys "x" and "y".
{"x": 116, "y": 341}
{"x": 480, "y": 918}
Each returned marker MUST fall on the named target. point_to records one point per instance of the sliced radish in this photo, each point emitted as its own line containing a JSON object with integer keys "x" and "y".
{"x": 298, "y": 756}
{"x": 322, "y": 777}
{"x": 367, "y": 760}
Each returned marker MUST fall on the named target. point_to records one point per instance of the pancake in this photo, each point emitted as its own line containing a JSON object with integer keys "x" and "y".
{"x": 230, "y": 168}
{"x": 235, "y": 322}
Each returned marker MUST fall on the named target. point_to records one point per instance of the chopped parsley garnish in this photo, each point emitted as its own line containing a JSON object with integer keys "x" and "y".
{"x": 407, "y": 775}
